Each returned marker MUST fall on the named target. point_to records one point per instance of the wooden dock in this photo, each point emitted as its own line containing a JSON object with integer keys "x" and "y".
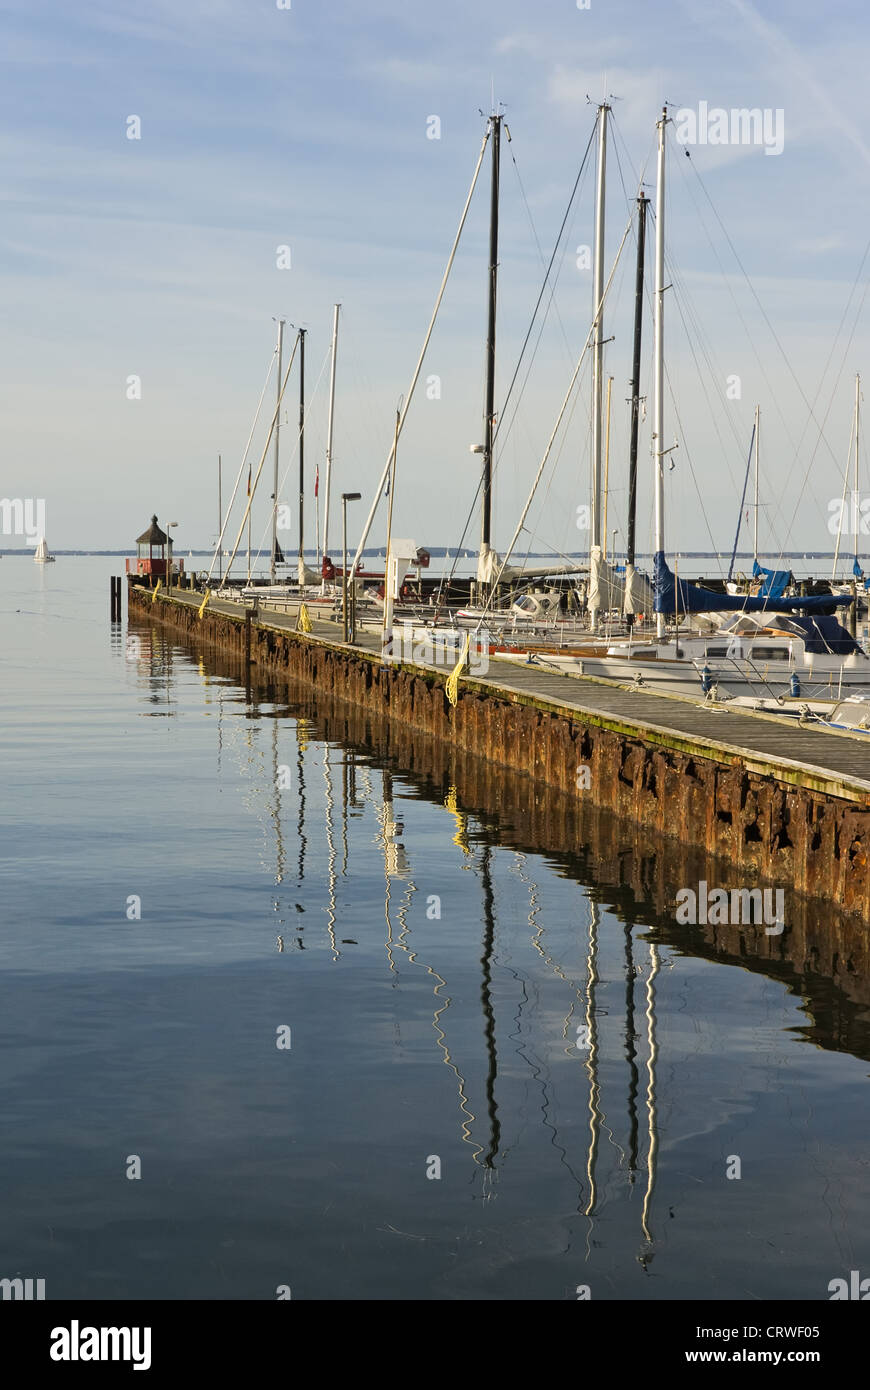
{"x": 839, "y": 761}
{"x": 789, "y": 803}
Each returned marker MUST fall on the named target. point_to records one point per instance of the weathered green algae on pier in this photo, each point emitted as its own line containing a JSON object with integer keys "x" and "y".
{"x": 788, "y": 806}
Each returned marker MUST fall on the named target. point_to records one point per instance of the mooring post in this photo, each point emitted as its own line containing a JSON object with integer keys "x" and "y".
{"x": 115, "y": 598}
{"x": 249, "y": 613}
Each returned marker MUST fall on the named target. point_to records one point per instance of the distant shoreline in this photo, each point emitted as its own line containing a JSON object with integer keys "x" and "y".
{"x": 439, "y": 552}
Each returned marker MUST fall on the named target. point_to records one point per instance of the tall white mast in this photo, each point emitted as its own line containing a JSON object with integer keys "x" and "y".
{"x": 855, "y": 496}
{"x": 755, "y": 531}
{"x": 598, "y": 339}
{"x": 277, "y": 432}
{"x": 329, "y": 432}
{"x": 659, "y": 377}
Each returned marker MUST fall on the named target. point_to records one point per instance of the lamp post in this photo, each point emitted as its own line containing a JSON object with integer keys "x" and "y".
{"x": 345, "y": 498}
{"x": 168, "y": 575}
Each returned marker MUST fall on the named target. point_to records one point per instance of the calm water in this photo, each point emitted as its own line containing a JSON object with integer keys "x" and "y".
{"x": 459, "y": 993}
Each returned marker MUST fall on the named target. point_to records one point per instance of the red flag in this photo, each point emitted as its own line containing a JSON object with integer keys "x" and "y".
{"x": 316, "y": 479}
{"x": 249, "y": 480}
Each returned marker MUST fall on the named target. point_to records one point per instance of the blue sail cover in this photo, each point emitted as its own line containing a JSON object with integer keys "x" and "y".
{"x": 679, "y": 596}
{"x": 822, "y": 635}
{"x": 774, "y": 583}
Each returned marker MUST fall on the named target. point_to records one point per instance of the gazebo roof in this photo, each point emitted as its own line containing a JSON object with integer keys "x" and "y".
{"x": 153, "y": 536}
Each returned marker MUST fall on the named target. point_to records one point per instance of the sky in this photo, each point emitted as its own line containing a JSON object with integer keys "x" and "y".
{"x": 308, "y": 127}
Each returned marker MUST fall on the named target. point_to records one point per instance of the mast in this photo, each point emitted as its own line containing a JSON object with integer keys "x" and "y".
{"x": 277, "y": 432}
{"x": 855, "y": 495}
{"x": 607, "y": 463}
{"x": 387, "y": 629}
{"x": 755, "y": 528}
{"x": 329, "y": 431}
{"x": 301, "y": 565}
{"x": 642, "y": 205}
{"x": 220, "y": 523}
{"x": 659, "y": 377}
{"x": 598, "y": 338}
{"x": 495, "y": 121}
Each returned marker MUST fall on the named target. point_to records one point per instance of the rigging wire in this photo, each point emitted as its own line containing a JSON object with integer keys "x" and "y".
{"x": 220, "y": 540}
{"x": 772, "y": 394}
{"x": 294, "y": 455}
{"x": 557, "y": 425}
{"x": 501, "y": 413}
{"x": 283, "y": 387}
{"x": 810, "y": 406}
{"x": 410, "y": 392}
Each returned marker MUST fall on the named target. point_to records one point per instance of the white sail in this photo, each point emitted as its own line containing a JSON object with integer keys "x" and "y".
{"x": 41, "y": 555}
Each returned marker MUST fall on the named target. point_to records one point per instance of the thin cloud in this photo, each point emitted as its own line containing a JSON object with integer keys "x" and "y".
{"x": 785, "y": 50}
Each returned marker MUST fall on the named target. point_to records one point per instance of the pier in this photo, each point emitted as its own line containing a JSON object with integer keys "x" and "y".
{"x": 783, "y": 805}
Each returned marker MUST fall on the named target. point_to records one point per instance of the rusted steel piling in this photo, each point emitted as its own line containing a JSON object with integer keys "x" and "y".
{"x": 779, "y": 822}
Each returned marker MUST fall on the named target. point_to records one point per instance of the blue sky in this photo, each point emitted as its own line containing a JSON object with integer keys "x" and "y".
{"x": 307, "y": 127}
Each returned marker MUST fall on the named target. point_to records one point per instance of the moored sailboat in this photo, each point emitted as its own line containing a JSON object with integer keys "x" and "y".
{"x": 765, "y": 643}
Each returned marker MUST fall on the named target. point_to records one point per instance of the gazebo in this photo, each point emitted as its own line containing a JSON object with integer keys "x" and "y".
{"x": 152, "y": 549}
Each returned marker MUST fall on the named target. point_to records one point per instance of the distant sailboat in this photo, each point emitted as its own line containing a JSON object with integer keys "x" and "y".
{"x": 41, "y": 555}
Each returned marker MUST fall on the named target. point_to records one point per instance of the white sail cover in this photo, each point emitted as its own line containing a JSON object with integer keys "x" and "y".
{"x": 638, "y": 596}
{"x": 487, "y": 565}
{"x": 489, "y": 569}
{"x": 608, "y": 589}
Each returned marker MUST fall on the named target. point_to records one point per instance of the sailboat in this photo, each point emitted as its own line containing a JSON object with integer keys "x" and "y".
{"x": 41, "y": 555}
{"x": 761, "y": 644}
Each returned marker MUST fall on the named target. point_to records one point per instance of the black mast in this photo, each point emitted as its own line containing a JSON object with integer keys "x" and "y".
{"x": 642, "y": 203}
{"x": 302, "y": 332}
{"x": 489, "y": 409}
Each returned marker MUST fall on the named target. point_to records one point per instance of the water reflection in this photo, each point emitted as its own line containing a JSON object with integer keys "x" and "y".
{"x": 607, "y": 1027}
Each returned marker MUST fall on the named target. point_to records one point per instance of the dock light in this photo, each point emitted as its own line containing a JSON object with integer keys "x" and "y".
{"x": 345, "y": 498}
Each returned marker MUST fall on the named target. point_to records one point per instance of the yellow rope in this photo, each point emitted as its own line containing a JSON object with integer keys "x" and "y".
{"x": 154, "y": 591}
{"x": 453, "y": 679}
{"x": 204, "y": 602}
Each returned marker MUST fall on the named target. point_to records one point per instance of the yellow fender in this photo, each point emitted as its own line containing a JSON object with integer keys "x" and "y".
{"x": 155, "y": 590}
{"x": 204, "y": 602}
{"x": 303, "y": 623}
